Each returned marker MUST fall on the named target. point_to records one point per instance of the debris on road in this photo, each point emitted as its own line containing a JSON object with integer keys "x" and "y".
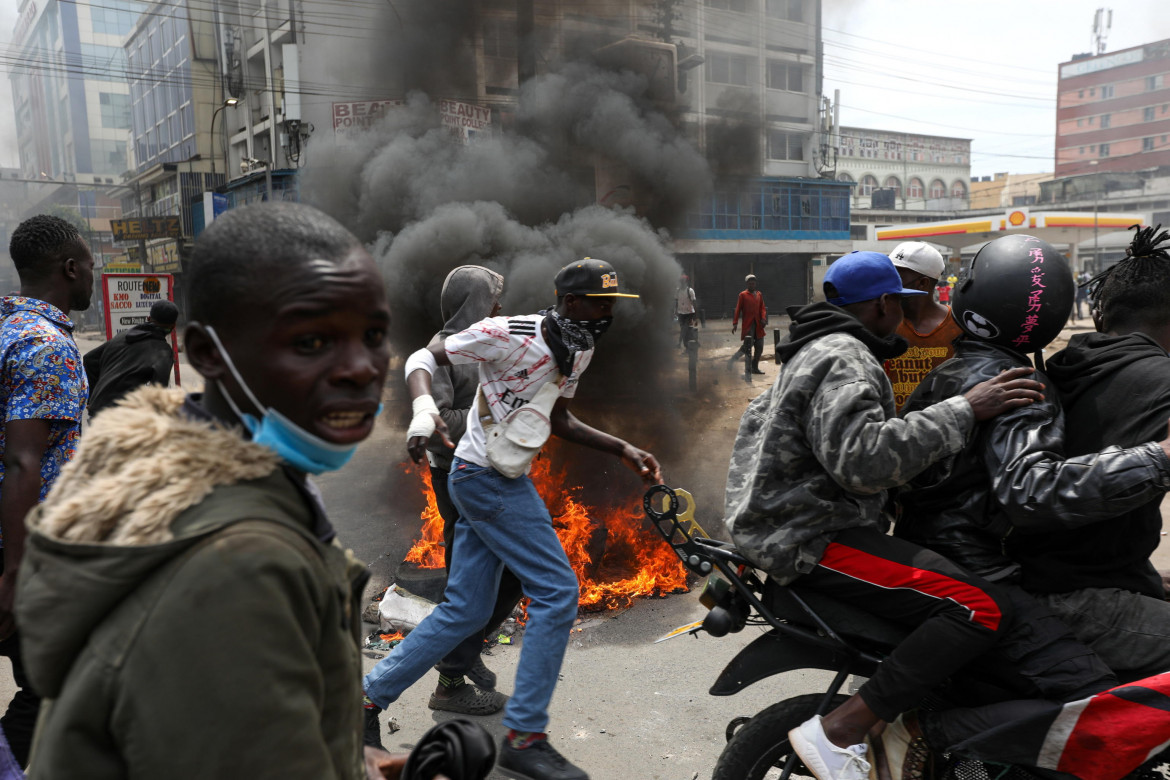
{"x": 401, "y": 610}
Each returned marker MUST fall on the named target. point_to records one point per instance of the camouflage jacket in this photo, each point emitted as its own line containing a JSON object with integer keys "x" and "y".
{"x": 817, "y": 451}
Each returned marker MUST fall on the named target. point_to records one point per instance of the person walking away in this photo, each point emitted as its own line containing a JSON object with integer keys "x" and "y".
{"x": 42, "y": 398}
{"x": 1083, "y": 279}
{"x": 135, "y": 357}
{"x": 470, "y": 293}
{"x": 807, "y": 493}
{"x": 749, "y": 307}
{"x": 186, "y": 607}
{"x": 927, "y": 325}
{"x": 684, "y": 308}
{"x": 502, "y": 521}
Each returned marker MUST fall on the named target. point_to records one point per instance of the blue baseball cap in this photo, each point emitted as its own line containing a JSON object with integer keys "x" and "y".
{"x": 863, "y": 276}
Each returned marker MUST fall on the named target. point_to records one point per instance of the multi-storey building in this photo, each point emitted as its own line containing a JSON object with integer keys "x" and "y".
{"x": 1113, "y": 111}
{"x": 906, "y": 171}
{"x": 741, "y": 77}
{"x": 174, "y": 94}
{"x": 1007, "y": 189}
{"x": 70, "y": 95}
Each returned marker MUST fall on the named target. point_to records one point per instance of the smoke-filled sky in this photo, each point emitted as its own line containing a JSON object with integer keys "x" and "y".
{"x": 892, "y": 58}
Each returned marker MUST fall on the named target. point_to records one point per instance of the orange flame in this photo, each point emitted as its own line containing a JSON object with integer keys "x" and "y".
{"x": 616, "y": 555}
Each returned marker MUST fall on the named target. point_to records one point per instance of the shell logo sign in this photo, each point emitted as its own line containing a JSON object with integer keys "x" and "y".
{"x": 1017, "y": 218}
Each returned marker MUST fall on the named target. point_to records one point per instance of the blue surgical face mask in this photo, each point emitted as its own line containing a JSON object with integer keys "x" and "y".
{"x": 295, "y": 446}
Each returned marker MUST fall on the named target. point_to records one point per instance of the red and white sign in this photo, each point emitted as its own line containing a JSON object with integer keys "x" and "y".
{"x": 127, "y": 299}
{"x": 466, "y": 122}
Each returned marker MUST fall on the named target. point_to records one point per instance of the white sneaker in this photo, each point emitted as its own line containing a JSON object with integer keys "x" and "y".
{"x": 824, "y": 759}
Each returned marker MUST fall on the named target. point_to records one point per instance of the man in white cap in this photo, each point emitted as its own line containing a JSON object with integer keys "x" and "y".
{"x": 926, "y": 324}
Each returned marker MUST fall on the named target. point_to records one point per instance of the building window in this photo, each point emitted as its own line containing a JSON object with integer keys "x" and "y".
{"x": 937, "y": 189}
{"x": 1148, "y": 114}
{"x": 1153, "y": 82}
{"x": 915, "y": 188}
{"x": 1092, "y": 91}
{"x": 499, "y": 38}
{"x": 1081, "y": 93}
{"x": 785, "y": 146}
{"x": 792, "y": 10}
{"x": 1105, "y": 120}
{"x": 728, "y": 5}
{"x": 892, "y": 182}
{"x": 844, "y": 177}
{"x": 1148, "y": 144}
{"x": 1104, "y": 150}
{"x": 728, "y": 69}
{"x": 868, "y": 185}
{"x": 1080, "y": 121}
{"x": 1107, "y": 91}
{"x": 1082, "y": 150}
{"x": 115, "y": 110}
{"x": 783, "y": 75}
{"x": 959, "y": 191}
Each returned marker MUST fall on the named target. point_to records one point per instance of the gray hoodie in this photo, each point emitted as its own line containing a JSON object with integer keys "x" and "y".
{"x": 470, "y": 292}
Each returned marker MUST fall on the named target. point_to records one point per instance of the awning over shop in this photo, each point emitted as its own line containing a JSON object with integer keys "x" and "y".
{"x": 1055, "y": 227}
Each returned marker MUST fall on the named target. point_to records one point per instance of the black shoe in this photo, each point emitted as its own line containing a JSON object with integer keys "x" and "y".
{"x": 371, "y": 730}
{"x": 538, "y": 761}
{"x": 482, "y": 676}
{"x": 757, "y": 371}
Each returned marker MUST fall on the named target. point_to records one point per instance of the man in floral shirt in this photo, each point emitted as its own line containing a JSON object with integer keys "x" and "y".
{"x": 43, "y": 393}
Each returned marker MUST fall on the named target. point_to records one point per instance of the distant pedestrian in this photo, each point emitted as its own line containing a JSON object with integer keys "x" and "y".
{"x": 42, "y": 398}
{"x": 133, "y": 358}
{"x": 944, "y": 293}
{"x": 749, "y": 307}
{"x": 1082, "y": 299}
{"x": 684, "y": 308}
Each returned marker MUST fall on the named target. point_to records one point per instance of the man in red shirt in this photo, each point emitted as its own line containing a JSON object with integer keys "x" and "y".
{"x": 750, "y": 307}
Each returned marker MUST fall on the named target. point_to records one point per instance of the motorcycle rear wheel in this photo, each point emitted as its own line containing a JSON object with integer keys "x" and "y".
{"x": 759, "y": 749}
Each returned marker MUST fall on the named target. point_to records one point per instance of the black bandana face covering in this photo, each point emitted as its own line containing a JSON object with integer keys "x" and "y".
{"x": 567, "y": 337}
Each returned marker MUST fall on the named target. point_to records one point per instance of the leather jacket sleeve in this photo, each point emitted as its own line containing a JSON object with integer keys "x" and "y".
{"x": 1040, "y": 490}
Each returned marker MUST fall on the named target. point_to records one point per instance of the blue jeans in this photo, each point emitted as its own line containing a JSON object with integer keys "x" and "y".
{"x": 502, "y": 522}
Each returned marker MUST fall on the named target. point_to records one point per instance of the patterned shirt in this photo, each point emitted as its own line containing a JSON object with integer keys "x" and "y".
{"x": 41, "y": 378}
{"x": 514, "y": 362}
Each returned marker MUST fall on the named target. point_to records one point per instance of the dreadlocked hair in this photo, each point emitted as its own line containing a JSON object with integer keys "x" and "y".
{"x": 1136, "y": 290}
{"x": 39, "y": 243}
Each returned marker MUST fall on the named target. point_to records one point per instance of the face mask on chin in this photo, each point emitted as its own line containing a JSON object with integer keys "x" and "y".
{"x": 295, "y": 446}
{"x": 596, "y": 328}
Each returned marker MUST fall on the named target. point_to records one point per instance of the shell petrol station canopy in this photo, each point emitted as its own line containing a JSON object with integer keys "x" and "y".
{"x": 1055, "y": 227}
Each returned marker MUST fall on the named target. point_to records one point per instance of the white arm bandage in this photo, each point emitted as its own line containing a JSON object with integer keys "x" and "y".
{"x": 422, "y": 423}
{"x": 421, "y": 359}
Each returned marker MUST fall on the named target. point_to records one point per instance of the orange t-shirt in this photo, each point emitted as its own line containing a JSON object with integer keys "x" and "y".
{"x": 927, "y": 352}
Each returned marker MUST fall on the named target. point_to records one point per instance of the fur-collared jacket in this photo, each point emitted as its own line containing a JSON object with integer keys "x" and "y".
{"x": 180, "y": 616}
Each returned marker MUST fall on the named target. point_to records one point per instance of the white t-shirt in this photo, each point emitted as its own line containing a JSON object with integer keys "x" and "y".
{"x": 514, "y": 363}
{"x": 685, "y": 302}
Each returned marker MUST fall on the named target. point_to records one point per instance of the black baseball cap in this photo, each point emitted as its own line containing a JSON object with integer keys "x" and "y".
{"x": 591, "y": 278}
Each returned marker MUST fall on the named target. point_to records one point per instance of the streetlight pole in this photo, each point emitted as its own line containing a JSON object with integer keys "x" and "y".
{"x": 1096, "y": 195}
{"x": 226, "y": 104}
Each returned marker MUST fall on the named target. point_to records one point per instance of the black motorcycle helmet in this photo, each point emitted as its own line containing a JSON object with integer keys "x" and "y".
{"x": 1016, "y": 292}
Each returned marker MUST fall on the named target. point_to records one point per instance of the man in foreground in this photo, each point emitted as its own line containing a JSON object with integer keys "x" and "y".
{"x": 503, "y": 522}
{"x": 806, "y": 498}
{"x": 185, "y": 606}
{"x": 42, "y": 399}
{"x": 133, "y": 358}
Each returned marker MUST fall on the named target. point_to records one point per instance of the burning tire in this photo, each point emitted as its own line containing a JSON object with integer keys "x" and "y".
{"x": 428, "y": 583}
{"x": 760, "y": 748}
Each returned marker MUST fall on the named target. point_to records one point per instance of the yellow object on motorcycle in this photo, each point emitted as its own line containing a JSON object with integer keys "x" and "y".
{"x": 715, "y": 592}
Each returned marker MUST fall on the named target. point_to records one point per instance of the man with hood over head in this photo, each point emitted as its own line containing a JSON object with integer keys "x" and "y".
{"x": 470, "y": 293}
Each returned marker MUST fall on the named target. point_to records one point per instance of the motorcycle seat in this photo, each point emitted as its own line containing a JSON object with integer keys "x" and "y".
{"x": 851, "y": 622}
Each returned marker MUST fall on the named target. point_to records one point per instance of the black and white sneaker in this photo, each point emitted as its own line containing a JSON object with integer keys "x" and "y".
{"x": 538, "y": 761}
